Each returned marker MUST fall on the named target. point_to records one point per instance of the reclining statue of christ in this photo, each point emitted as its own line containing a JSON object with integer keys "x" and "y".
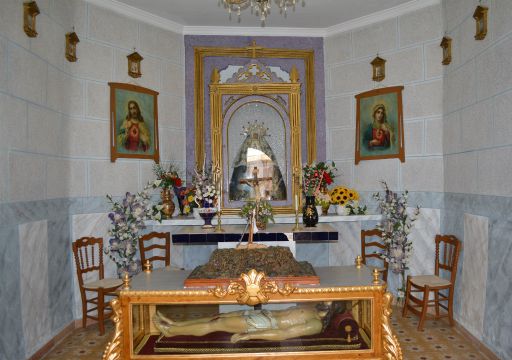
{"x": 274, "y": 325}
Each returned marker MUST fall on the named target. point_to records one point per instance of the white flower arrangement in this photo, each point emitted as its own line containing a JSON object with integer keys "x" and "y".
{"x": 206, "y": 192}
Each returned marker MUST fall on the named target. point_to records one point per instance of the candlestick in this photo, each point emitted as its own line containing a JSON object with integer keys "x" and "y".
{"x": 219, "y": 228}
{"x": 296, "y": 203}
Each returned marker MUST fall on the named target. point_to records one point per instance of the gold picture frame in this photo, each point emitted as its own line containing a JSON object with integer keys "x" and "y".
{"x": 133, "y": 122}
{"x": 253, "y": 52}
{"x": 379, "y": 125}
{"x": 378, "y": 69}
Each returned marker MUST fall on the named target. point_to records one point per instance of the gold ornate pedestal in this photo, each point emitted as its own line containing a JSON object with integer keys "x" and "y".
{"x": 371, "y": 306}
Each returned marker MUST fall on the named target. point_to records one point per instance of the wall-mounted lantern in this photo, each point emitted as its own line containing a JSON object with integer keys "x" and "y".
{"x": 480, "y": 16}
{"x": 134, "y": 66}
{"x": 446, "y": 44}
{"x": 30, "y": 11}
{"x": 71, "y": 41}
{"x": 379, "y": 69}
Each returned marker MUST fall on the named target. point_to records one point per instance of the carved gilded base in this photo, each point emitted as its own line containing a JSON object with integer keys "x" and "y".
{"x": 114, "y": 348}
{"x": 392, "y": 349}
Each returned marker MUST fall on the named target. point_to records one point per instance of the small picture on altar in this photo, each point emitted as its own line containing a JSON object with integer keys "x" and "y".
{"x": 379, "y": 125}
{"x": 133, "y": 122}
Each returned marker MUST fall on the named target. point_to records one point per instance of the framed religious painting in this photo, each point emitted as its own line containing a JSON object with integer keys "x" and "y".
{"x": 379, "y": 125}
{"x": 133, "y": 122}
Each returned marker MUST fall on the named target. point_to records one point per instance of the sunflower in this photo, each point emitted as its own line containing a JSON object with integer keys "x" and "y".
{"x": 339, "y": 195}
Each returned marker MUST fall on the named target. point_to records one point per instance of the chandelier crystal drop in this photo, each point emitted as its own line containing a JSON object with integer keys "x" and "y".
{"x": 260, "y": 8}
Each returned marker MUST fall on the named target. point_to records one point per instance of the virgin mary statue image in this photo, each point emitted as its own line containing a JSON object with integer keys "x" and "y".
{"x": 256, "y": 173}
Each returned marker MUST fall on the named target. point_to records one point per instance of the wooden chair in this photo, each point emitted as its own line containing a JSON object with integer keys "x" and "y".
{"x": 369, "y": 249}
{"x": 447, "y": 257}
{"x": 163, "y": 245}
{"x": 88, "y": 253}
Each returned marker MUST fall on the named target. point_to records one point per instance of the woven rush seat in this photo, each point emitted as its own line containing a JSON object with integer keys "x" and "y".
{"x": 430, "y": 280}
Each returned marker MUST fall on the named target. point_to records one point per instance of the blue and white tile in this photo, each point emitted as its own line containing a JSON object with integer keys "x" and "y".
{"x": 474, "y": 273}
{"x": 33, "y": 238}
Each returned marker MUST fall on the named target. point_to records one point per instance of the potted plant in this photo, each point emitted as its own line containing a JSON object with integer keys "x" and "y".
{"x": 263, "y": 210}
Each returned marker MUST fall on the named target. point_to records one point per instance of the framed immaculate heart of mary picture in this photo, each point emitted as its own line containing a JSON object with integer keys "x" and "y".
{"x": 133, "y": 122}
{"x": 379, "y": 125}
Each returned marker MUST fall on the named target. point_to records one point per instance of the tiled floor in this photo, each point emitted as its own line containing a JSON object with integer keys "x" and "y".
{"x": 437, "y": 341}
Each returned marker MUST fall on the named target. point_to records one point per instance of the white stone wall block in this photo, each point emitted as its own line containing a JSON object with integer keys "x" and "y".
{"x": 423, "y": 174}
{"x": 503, "y": 119}
{"x": 455, "y": 11}
{"x": 413, "y": 137}
{"x": 161, "y": 43}
{"x": 115, "y": 29}
{"x": 424, "y": 99}
{"x": 404, "y": 66}
{"x": 342, "y": 143}
{"x": 170, "y": 111}
{"x": 493, "y": 73}
{"x": 98, "y": 100}
{"x": 467, "y": 45}
{"x": 452, "y": 133}
{"x": 87, "y": 138}
{"x": 501, "y": 17}
{"x": 172, "y": 145}
{"x": 26, "y": 174}
{"x": 369, "y": 174}
{"x": 345, "y": 174}
{"x": 433, "y": 60}
{"x": 65, "y": 178}
{"x": 13, "y": 123}
{"x": 173, "y": 79}
{"x": 461, "y": 173}
{"x": 338, "y": 48}
{"x": 434, "y": 136}
{"x": 494, "y": 172}
{"x": 339, "y": 111}
{"x": 50, "y": 42}
{"x": 64, "y": 93}
{"x": 27, "y": 75}
{"x": 3, "y": 64}
{"x": 375, "y": 38}
{"x": 69, "y": 14}
{"x": 477, "y": 126}
{"x": 94, "y": 61}
{"x": 11, "y": 26}
{"x": 35, "y": 303}
{"x": 421, "y": 25}
{"x": 116, "y": 178}
{"x": 45, "y": 131}
{"x": 460, "y": 87}
{"x": 474, "y": 274}
{"x": 350, "y": 78}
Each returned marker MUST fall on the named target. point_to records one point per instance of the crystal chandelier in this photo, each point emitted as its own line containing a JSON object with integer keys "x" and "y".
{"x": 260, "y": 8}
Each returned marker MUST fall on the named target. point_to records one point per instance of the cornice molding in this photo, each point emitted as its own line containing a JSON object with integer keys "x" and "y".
{"x": 158, "y": 21}
{"x": 379, "y": 16}
{"x": 254, "y": 31}
{"x": 138, "y": 14}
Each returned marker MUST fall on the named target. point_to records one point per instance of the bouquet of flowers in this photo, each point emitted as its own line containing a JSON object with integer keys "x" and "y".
{"x": 187, "y": 196}
{"x": 127, "y": 220}
{"x": 323, "y": 199}
{"x": 167, "y": 178}
{"x": 396, "y": 226}
{"x": 264, "y": 212}
{"x": 317, "y": 176}
{"x": 206, "y": 193}
{"x": 348, "y": 200}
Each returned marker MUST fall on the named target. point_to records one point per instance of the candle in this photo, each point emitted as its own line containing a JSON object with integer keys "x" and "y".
{"x": 296, "y": 203}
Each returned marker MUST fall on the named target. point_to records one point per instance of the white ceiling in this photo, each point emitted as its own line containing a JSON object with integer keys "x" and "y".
{"x": 314, "y": 13}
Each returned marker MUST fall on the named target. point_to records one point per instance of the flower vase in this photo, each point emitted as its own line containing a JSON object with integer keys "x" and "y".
{"x": 309, "y": 213}
{"x": 325, "y": 209}
{"x": 167, "y": 203}
{"x": 207, "y": 213}
{"x": 261, "y": 225}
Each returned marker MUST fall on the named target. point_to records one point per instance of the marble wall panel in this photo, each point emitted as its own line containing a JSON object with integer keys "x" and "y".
{"x": 65, "y": 178}
{"x": 317, "y": 254}
{"x": 348, "y": 246}
{"x": 474, "y": 274}
{"x": 493, "y": 168}
{"x": 101, "y": 174}
{"x": 195, "y": 255}
{"x": 461, "y": 173}
{"x": 423, "y": 233}
{"x": 11, "y": 342}
{"x": 60, "y": 274}
{"x": 35, "y": 319}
